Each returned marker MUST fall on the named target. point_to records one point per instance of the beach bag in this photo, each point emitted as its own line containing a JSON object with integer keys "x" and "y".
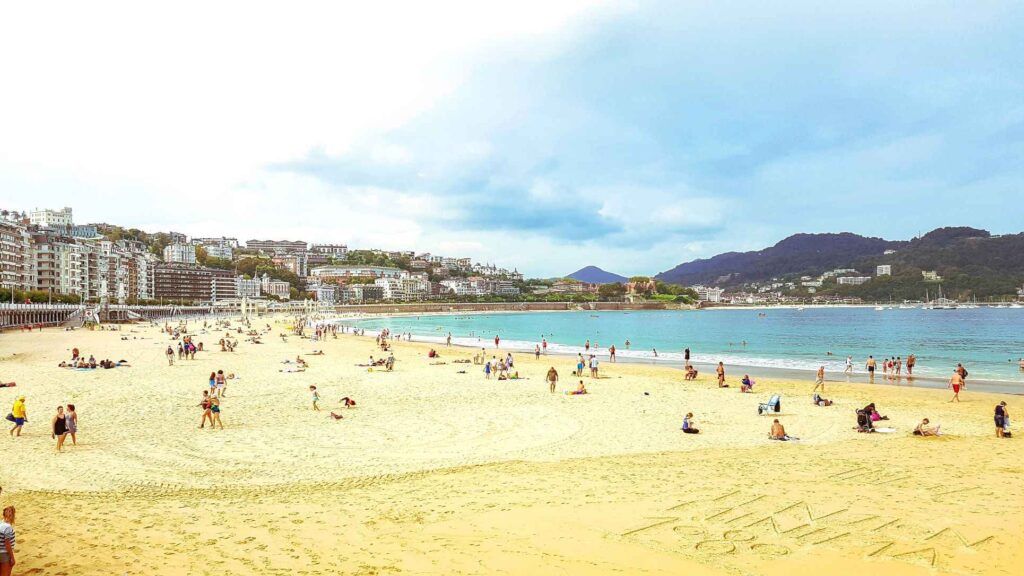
{"x": 10, "y": 416}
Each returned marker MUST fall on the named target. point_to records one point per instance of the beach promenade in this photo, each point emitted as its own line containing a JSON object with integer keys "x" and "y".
{"x": 437, "y": 471}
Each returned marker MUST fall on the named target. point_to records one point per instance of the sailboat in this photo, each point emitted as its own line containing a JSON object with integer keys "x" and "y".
{"x": 941, "y": 303}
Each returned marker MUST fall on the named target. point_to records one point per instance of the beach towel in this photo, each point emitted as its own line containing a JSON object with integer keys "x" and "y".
{"x": 885, "y": 430}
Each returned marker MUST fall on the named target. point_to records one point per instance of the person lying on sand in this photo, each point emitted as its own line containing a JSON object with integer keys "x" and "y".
{"x": 290, "y": 370}
{"x": 336, "y": 416}
{"x": 778, "y": 432}
{"x": 923, "y": 429}
{"x": 317, "y": 353}
{"x": 581, "y": 389}
{"x": 819, "y": 401}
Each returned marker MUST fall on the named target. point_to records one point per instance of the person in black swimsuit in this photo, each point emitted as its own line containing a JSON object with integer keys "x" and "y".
{"x": 1000, "y": 418}
{"x": 60, "y": 428}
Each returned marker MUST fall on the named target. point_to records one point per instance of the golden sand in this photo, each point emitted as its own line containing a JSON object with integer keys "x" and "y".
{"x": 437, "y": 472}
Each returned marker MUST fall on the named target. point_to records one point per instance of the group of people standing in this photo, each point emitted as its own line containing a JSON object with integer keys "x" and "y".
{"x": 63, "y": 424}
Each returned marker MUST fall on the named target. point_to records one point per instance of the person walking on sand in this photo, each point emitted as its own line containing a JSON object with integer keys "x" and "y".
{"x": 911, "y": 360}
{"x": 870, "y": 365}
{"x": 72, "y": 423}
{"x": 497, "y": 341}
{"x": 316, "y": 398}
{"x": 59, "y": 428}
{"x": 448, "y": 341}
{"x": 956, "y": 382}
{"x": 686, "y": 354}
{"x": 552, "y": 379}
{"x": 536, "y": 352}
{"x": 849, "y": 366}
{"x": 20, "y": 415}
{"x": 170, "y": 355}
{"x": 215, "y": 413}
{"x": 7, "y": 542}
{"x": 221, "y": 383}
{"x": 721, "y": 375}
{"x": 544, "y": 345}
{"x": 820, "y": 381}
{"x": 205, "y": 405}
{"x": 611, "y": 353}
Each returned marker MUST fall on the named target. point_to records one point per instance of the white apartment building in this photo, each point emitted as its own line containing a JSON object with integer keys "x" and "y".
{"x": 51, "y": 218}
{"x": 15, "y": 255}
{"x": 883, "y": 270}
{"x": 249, "y": 288}
{"x": 180, "y": 253}
{"x": 852, "y": 280}
{"x": 708, "y": 294}
{"x": 278, "y": 288}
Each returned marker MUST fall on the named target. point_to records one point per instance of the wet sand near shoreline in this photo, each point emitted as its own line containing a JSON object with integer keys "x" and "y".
{"x": 441, "y": 472}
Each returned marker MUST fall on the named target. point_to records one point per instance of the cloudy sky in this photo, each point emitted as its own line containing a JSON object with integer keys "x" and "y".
{"x": 543, "y": 135}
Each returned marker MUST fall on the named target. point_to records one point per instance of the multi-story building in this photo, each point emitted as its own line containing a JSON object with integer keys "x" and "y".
{"x": 336, "y": 251}
{"x": 278, "y": 288}
{"x": 223, "y": 285}
{"x": 852, "y": 280}
{"x": 931, "y": 276}
{"x": 326, "y": 293}
{"x": 180, "y": 283}
{"x": 180, "y": 253}
{"x": 341, "y": 274}
{"x": 60, "y": 219}
{"x": 359, "y": 293}
{"x": 222, "y": 247}
{"x": 883, "y": 270}
{"x": 249, "y": 288}
{"x": 15, "y": 255}
{"x": 294, "y": 263}
{"x": 708, "y": 293}
{"x": 56, "y": 264}
{"x": 276, "y": 246}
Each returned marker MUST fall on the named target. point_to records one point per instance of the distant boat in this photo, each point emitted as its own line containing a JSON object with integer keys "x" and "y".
{"x": 941, "y": 303}
{"x": 879, "y": 308}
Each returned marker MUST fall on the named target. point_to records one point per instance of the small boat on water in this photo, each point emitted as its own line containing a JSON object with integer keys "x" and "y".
{"x": 879, "y": 308}
{"x": 941, "y": 303}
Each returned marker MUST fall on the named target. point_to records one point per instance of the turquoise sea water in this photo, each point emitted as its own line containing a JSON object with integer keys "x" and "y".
{"x": 987, "y": 340}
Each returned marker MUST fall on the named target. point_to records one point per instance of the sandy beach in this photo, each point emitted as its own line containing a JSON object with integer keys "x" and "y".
{"x": 437, "y": 471}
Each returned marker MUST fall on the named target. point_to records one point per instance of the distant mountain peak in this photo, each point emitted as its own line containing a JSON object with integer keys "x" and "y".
{"x": 595, "y": 275}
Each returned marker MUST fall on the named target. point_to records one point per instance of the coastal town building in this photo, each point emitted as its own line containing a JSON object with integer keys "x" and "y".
{"x": 270, "y": 247}
{"x": 51, "y": 218}
{"x": 275, "y": 288}
{"x": 852, "y": 280}
{"x": 15, "y": 255}
{"x": 223, "y": 285}
{"x": 180, "y": 253}
{"x": 182, "y": 284}
{"x": 883, "y": 270}
{"x": 708, "y": 294}
{"x": 326, "y": 293}
{"x": 362, "y": 293}
{"x": 931, "y": 276}
{"x": 342, "y": 274}
{"x": 336, "y": 251}
{"x": 294, "y": 263}
{"x": 248, "y": 287}
{"x": 222, "y": 248}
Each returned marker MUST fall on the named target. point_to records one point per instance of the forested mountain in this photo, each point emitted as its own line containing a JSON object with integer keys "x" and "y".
{"x": 595, "y": 275}
{"x": 971, "y": 262}
{"x": 798, "y": 254}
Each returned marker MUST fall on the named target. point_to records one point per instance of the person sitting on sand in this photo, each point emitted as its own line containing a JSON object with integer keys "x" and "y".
{"x": 317, "y": 353}
{"x": 688, "y": 424}
{"x": 819, "y": 401}
{"x": 432, "y": 354}
{"x": 348, "y": 402}
{"x": 778, "y": 432}
{"x": 746, "y": 385}
{"x": 691, "y": 372}
{"x": 581, "y": 389}
{"x": 871, "y": 411}
{"x": 923, "y": 429}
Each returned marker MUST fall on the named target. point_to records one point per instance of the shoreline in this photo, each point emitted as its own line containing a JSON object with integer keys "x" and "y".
{"x": 756, "y": 371}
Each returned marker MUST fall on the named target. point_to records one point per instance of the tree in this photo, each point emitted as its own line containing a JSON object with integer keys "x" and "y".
{"x": 609, "y": 291}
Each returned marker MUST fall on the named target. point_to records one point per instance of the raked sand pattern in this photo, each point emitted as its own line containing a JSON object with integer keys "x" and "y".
{"x": 439, "y": 472}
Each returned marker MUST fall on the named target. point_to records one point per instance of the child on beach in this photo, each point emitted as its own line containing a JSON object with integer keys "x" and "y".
{"x": 215, "y": 413}
{"x": 688, "y": 424}
{"x": 923, "y": 429}
{"x": 7, "y": 541}
{"x": 316, "y": 398}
